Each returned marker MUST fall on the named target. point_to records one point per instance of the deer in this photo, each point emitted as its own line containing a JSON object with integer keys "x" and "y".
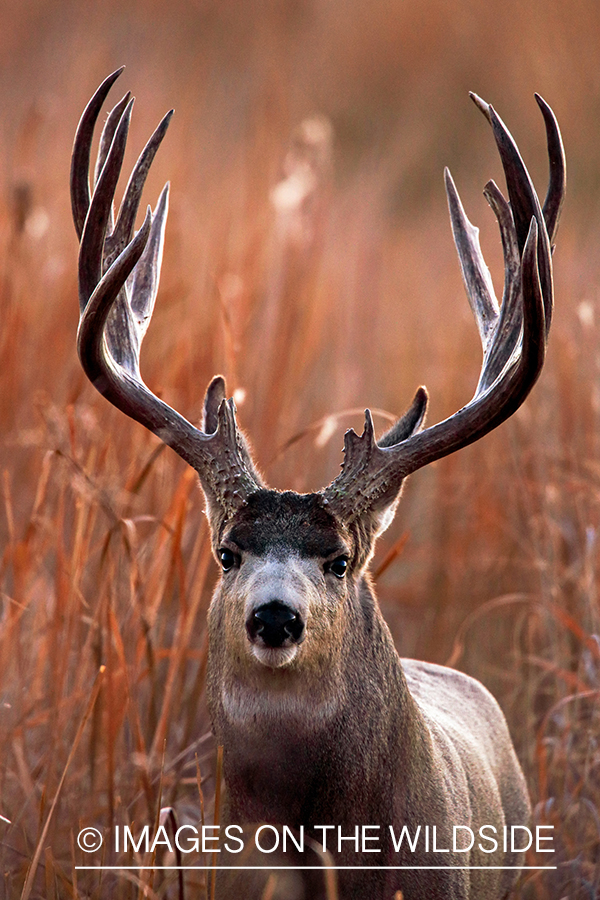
{"x": 323, "y": 725}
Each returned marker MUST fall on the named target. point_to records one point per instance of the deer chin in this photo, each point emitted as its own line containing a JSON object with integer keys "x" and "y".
{"x": 275, "y": 657}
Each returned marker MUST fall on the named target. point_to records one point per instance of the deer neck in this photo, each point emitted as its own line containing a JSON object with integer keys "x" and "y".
{"x": 340, "y": 726}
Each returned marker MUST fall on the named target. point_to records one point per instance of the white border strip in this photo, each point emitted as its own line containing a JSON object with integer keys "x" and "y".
{"x": 303, "y": 868}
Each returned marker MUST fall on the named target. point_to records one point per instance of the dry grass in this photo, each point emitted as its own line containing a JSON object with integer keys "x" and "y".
{"x": 352, "y": 300}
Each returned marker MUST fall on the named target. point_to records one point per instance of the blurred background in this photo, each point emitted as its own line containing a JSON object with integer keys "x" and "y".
{"x": 309, "y": 258}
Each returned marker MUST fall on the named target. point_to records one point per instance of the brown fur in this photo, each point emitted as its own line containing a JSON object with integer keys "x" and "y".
{"x": 347, "y": 734}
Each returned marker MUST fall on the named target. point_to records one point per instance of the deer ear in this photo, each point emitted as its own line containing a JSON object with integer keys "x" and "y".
{"x": 384, "y": 517}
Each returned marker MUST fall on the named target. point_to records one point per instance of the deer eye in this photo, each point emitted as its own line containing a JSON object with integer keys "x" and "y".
{"x": 228, "y": 559}
{"x": 337, "y": 566}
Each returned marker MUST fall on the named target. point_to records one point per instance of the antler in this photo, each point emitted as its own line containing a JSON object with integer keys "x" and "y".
{"x": 513, "y": 336}
{"x": 118, "y": 281}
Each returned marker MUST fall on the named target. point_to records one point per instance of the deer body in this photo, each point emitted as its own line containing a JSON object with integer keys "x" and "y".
{"x": 347, "y": 733}
{"x": 321, "y": 723}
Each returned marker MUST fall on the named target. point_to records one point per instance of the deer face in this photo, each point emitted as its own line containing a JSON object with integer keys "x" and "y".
{"x": 288, "y": 566}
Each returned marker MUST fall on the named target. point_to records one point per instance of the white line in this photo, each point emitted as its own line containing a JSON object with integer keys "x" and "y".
{"x": 312, "y": 868}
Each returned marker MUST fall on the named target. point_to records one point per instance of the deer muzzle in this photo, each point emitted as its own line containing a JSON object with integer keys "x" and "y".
{"x": 274, "y": 625}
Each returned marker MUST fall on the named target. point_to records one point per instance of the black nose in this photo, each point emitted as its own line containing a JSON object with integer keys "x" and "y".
{"x": 275, "y": 623}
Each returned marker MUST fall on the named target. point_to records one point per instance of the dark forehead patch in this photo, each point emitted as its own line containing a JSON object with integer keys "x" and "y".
{"x": 272, "y": 521}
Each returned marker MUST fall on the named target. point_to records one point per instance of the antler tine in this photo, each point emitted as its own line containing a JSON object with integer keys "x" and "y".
{"x": 411, "y": 421}
{"x": 513, "y": 338}
{"x": 523, "y": 199}
{"x": 100, "y": 211}
{"x": 132, "y": 310}
{"x": 98, "y": 364}
{"x": 118, "y": 282}
{"x": 108, "y": 133}
{"x": 499, "y": 329}
{"x": 520, "y": 189}
{"x": 508, "y": 328}
{"x": 476, "y": 275}
{"x": 557, "y": 184}
{"x": 146, "y": 275}
{"x": 80, "y": 160}
{"x": 123, "y": 229}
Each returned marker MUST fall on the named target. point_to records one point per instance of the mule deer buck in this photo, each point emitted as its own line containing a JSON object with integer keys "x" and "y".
{"x": 321, "y": 722}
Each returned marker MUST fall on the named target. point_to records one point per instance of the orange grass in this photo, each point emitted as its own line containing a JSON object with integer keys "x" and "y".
{"x": 352, "y": 299}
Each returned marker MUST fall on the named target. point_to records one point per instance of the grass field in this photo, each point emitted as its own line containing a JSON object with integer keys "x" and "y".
{"x": 309, "y": 258}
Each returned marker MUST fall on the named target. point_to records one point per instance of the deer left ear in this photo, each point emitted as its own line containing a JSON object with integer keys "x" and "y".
{"x": 385, "y": 517}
